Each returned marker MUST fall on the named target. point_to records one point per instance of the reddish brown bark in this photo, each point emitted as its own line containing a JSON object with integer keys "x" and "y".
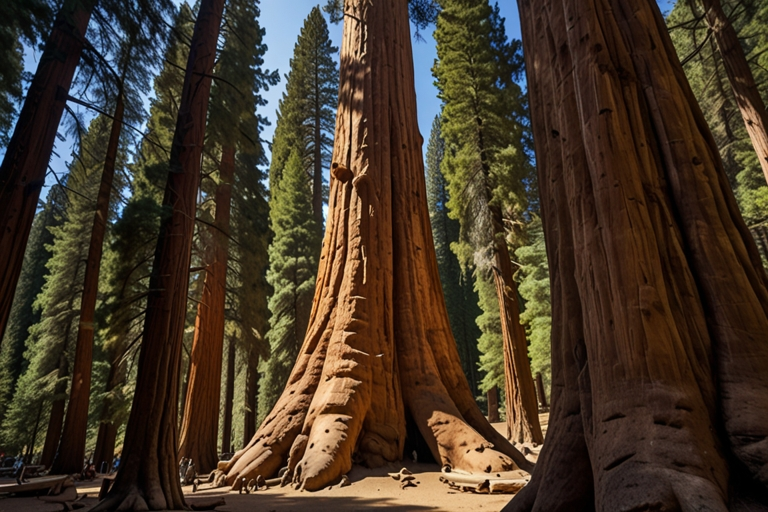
{"x": 147, "y": 479}
{"x": 659, "y": 299}
{"x": 520, "y": 395}
{"x": 742, "y": 80}
{"x": 69, "y": 458}
{"x": 541, "y": 391}
{"x": 22, "y": 173}
{"x": 200, "y": 426}
{"x": 379, "y": 340}
{"x": 105, "y": 447}
{"x": 229, "y": 398}
{"x": 493, "y": 405}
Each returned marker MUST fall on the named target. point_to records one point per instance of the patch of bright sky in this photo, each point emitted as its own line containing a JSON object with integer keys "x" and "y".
{"x": 282, "y": 20}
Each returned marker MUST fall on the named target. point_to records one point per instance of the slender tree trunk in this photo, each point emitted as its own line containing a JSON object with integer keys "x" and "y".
{"x": 33, "y": 435}
{"x": 493, "y": 404}
{"x": 22, "y": 173}
{"x": 742, "y": 80}
{"x": 69, "y": 458}
{"x": 379, "y": 340}
{"x": 251, "y": 396}
{"x": 105, "y": 440}
{"x": 520, "y": 394}
{"x": 56, "y": 420}
{"x": 147, "y": 479}
{"x": 229, "y": 398}
{"x": 659, "y": 299}
{"x": 200, "y": 426}
{"x": 541, "y": 391}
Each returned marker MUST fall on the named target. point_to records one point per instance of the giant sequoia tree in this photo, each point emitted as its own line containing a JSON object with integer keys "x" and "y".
{"x": 660, "y": 302}
{"x": 146, "y": 480}
{"x": 378, "y": 351}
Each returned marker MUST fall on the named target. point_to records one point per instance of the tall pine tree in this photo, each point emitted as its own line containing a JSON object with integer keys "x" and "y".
{"x": 293, "y": 260}
{"x": 307, "y": 112}
{"x": 460, "y": 297}
{"x": 487, "y": 168}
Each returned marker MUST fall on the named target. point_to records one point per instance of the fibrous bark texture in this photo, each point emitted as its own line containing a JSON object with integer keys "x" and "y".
{"x": 379, "y": 343}
{"x": 741, "y": 79}
{"x": 25, "y": 164}
{"x": 147, "y": 479}
{"x": 69, "y": 458}
{"x": 660, "y": 331}
{"x": 200, "y": 426}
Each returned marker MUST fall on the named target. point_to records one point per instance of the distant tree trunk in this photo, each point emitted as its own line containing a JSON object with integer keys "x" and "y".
{"x": 493, "y": 404}
{"x": 107, "y": 435}
{"x": 520, "y": 394}
{"x": 33, "y": 435}
{"x": 251, "y": 396}
{"x": 659, "y": 299}
{"x": 541, "y": 391}
{"x": 56, "y": 420}
{"x": 22, "y": 173}
{"x": 379, "y": 340}
{"x": 147, "y": 477}
{"x": 742, "y": 80}
{"x": 69, "y": 458}
{"x": 229, "y": 398}
{"x": 200, "y": 426}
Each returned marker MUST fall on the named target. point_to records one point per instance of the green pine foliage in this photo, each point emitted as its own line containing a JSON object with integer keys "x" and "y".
{"x": 234, "y": 119}
{"x": 461, "y": 300}
{"x": 307, "y": 111}
{"x": 705, "y": 70}
{"x": 23, "y": 314}
{"x": 52, "y": 338}
{"x": 293, "y": 260}
{"x": 127, "y": 261}
{"x": 535, "y": 291}
{"x": 485, "y": 160}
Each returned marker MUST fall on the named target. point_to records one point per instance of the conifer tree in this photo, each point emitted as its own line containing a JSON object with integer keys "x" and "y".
{"x": 293, "y": 259}
{"x": 233, "y": 124}
{"x": 460, "y": 297}
{"x": 486, "y": 168}
{"x": 307, "y": 112}
{"x": 23, "y": 314}
{"x": 59, "y": 301}
{"x": 134, "y": 235}
{"x": 534, "y": 289}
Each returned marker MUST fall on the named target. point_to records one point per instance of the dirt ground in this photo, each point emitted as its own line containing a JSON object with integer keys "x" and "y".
{"x": 370, "y": 489}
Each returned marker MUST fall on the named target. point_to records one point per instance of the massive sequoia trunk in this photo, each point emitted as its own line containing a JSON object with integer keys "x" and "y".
{"x": 660, "y": 330}
{"x": 147, "y": 479}
{"x": 200, "y": 426}
{"x": 69, "y": 458}
{"x": 22, "y": 173}
{"x": 742, "y": 80}
{"x": 378, "y": 343}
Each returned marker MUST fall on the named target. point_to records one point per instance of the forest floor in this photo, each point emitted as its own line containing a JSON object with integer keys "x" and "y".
{"x": 370, "y": 489}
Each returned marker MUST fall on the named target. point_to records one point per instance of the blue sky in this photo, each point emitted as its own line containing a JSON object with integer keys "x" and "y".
{"x": 282, "y": 25}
